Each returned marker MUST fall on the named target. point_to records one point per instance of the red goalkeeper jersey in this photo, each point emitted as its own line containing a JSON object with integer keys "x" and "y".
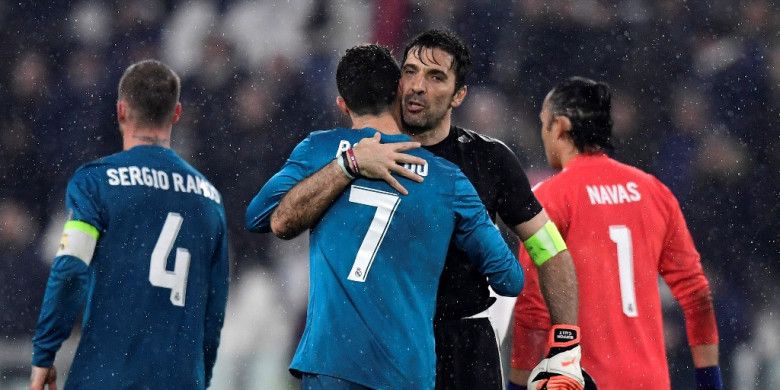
{"x": 623, "y": 228}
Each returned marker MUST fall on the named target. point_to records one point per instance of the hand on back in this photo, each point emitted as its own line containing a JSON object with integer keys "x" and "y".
{"x": 379, "y": 161}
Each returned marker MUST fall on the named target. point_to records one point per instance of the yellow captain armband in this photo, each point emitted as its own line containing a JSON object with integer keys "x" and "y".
{"x": 78, "y": 240}
{"x": 544, "y": 244}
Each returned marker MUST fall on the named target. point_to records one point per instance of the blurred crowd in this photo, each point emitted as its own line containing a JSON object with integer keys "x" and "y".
{"x": 696, "y": 101}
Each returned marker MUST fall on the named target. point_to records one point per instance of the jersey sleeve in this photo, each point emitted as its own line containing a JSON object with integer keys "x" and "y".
{"x": 297, "y": 168}
{"x": 476, "y": 235}
{"x": 680, "y": 266}
{"x": 217, "y": 301}
{"x": 516, "y": 201}
{"x": 66, "y": 287}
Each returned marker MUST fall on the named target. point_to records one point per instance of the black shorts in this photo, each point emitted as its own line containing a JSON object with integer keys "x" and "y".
{"x": 467, "y": 355}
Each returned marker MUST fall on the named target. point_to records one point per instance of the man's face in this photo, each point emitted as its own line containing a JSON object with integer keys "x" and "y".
{"x": 427, "y": 89}
{"x": 546, "y": 118}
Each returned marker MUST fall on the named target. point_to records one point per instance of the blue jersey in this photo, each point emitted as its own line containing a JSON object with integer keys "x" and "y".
{"x": 375, "y": 262}
{"x": 146, "y": 248}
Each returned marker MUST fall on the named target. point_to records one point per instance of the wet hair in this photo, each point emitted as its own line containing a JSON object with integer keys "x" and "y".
{"x": 367, "y": 79}
{"x": 152, "y": 90}
{"x": 449, "y": 43}
{"x": 587, "y": 104}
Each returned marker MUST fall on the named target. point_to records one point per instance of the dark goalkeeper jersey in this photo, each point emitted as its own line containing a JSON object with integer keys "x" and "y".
{"x": 503, "y": 187}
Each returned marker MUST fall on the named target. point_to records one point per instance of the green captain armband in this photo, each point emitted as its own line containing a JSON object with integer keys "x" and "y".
{"x": 79, "y": 240}
{"x": 544, "y": 244}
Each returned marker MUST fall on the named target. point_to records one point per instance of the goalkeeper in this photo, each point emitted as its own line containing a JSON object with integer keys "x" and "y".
{"x": 624, "y": 228}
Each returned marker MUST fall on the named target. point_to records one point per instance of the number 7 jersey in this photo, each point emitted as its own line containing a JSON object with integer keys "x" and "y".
{"x": 146, "y": 247}
{"x": 624, "y": 229}
{"x": 375, "y": 262}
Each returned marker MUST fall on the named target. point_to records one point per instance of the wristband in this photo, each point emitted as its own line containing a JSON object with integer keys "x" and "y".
{"x": 708, "y": 378}
{"x": 353, "y": 163}
{"x": 340, "y": 162}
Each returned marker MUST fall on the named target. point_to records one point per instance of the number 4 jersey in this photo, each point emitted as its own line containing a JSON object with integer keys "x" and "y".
{"x": 624, "y": 228}
{"x": 146, "y": 245}
{"x": 375, "y": 262}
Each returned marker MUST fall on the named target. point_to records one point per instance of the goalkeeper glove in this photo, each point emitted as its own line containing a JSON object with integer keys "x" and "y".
{"x": 708, "y": 378}
{"x": 561, "y": 370}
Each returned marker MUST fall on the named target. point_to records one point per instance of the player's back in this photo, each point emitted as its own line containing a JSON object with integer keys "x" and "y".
{"x": 376, "y": 258}
{"x": 619, "y": 224}
{"x": 162, "y": 237}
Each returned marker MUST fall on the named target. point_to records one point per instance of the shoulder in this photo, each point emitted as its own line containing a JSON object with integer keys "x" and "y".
{"x": 95, "y": 169}
{"x": 473, "y": 139}
{"x": 641, "y": 177}
{"x": 542, "y": 189}
{"x": 501, "y": 159}
{"x": 324, "y": 135}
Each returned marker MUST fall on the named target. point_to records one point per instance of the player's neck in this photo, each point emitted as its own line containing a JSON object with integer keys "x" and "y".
{"x": 437, "y": 134}
{"x": 136, "y": 136}
{"x": 384, "y": 122}
{"x": 568, "y": 155}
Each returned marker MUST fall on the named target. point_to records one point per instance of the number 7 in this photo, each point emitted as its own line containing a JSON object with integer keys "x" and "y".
{"x": 386, "y": 204}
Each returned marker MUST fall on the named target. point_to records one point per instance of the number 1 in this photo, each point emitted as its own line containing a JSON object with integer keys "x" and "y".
{"x": 621, "y": 236}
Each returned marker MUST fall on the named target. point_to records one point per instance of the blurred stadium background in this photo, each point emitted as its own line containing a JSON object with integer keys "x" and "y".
{"x": 696, "y": 102}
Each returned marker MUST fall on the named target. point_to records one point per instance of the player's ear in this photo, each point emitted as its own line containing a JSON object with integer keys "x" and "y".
{"x": 342, "y": 105}
{"x": 561, "y": 125}
{"x": 459, "y": 96}
{"x": 121, "y": 111}
{"x": 176, "y": 113}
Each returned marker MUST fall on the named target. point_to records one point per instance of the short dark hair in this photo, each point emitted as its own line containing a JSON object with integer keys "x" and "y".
{"x": 448, "y": 42}
{"x": 587, "y": 104}
{"x": 367, "y": 79}
{"x": 152, "y": 90}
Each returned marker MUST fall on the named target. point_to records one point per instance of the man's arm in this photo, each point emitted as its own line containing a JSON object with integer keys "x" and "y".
{"x": 62, "y": 302}
{"x": 558, "y": 284}
{"x": 308, "y": 200}
{"x": 476, "y": 235}
{"x": 557, "y": 277}
{"x": 66, "y": 288}
{"x": 681, "y": 268}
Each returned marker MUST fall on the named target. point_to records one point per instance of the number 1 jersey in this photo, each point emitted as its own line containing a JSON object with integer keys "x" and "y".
{"x": 155, "y": 285}
{"x": 624, "y": 229}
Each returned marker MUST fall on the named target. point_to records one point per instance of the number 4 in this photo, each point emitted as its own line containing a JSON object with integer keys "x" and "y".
{"x": 621, "y": 236}
{"x": 158, "y": 275}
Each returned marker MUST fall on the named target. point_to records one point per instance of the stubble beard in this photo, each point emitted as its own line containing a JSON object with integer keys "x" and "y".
{"x": 415, "y": 129}
{"x": 424, "y": 124}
